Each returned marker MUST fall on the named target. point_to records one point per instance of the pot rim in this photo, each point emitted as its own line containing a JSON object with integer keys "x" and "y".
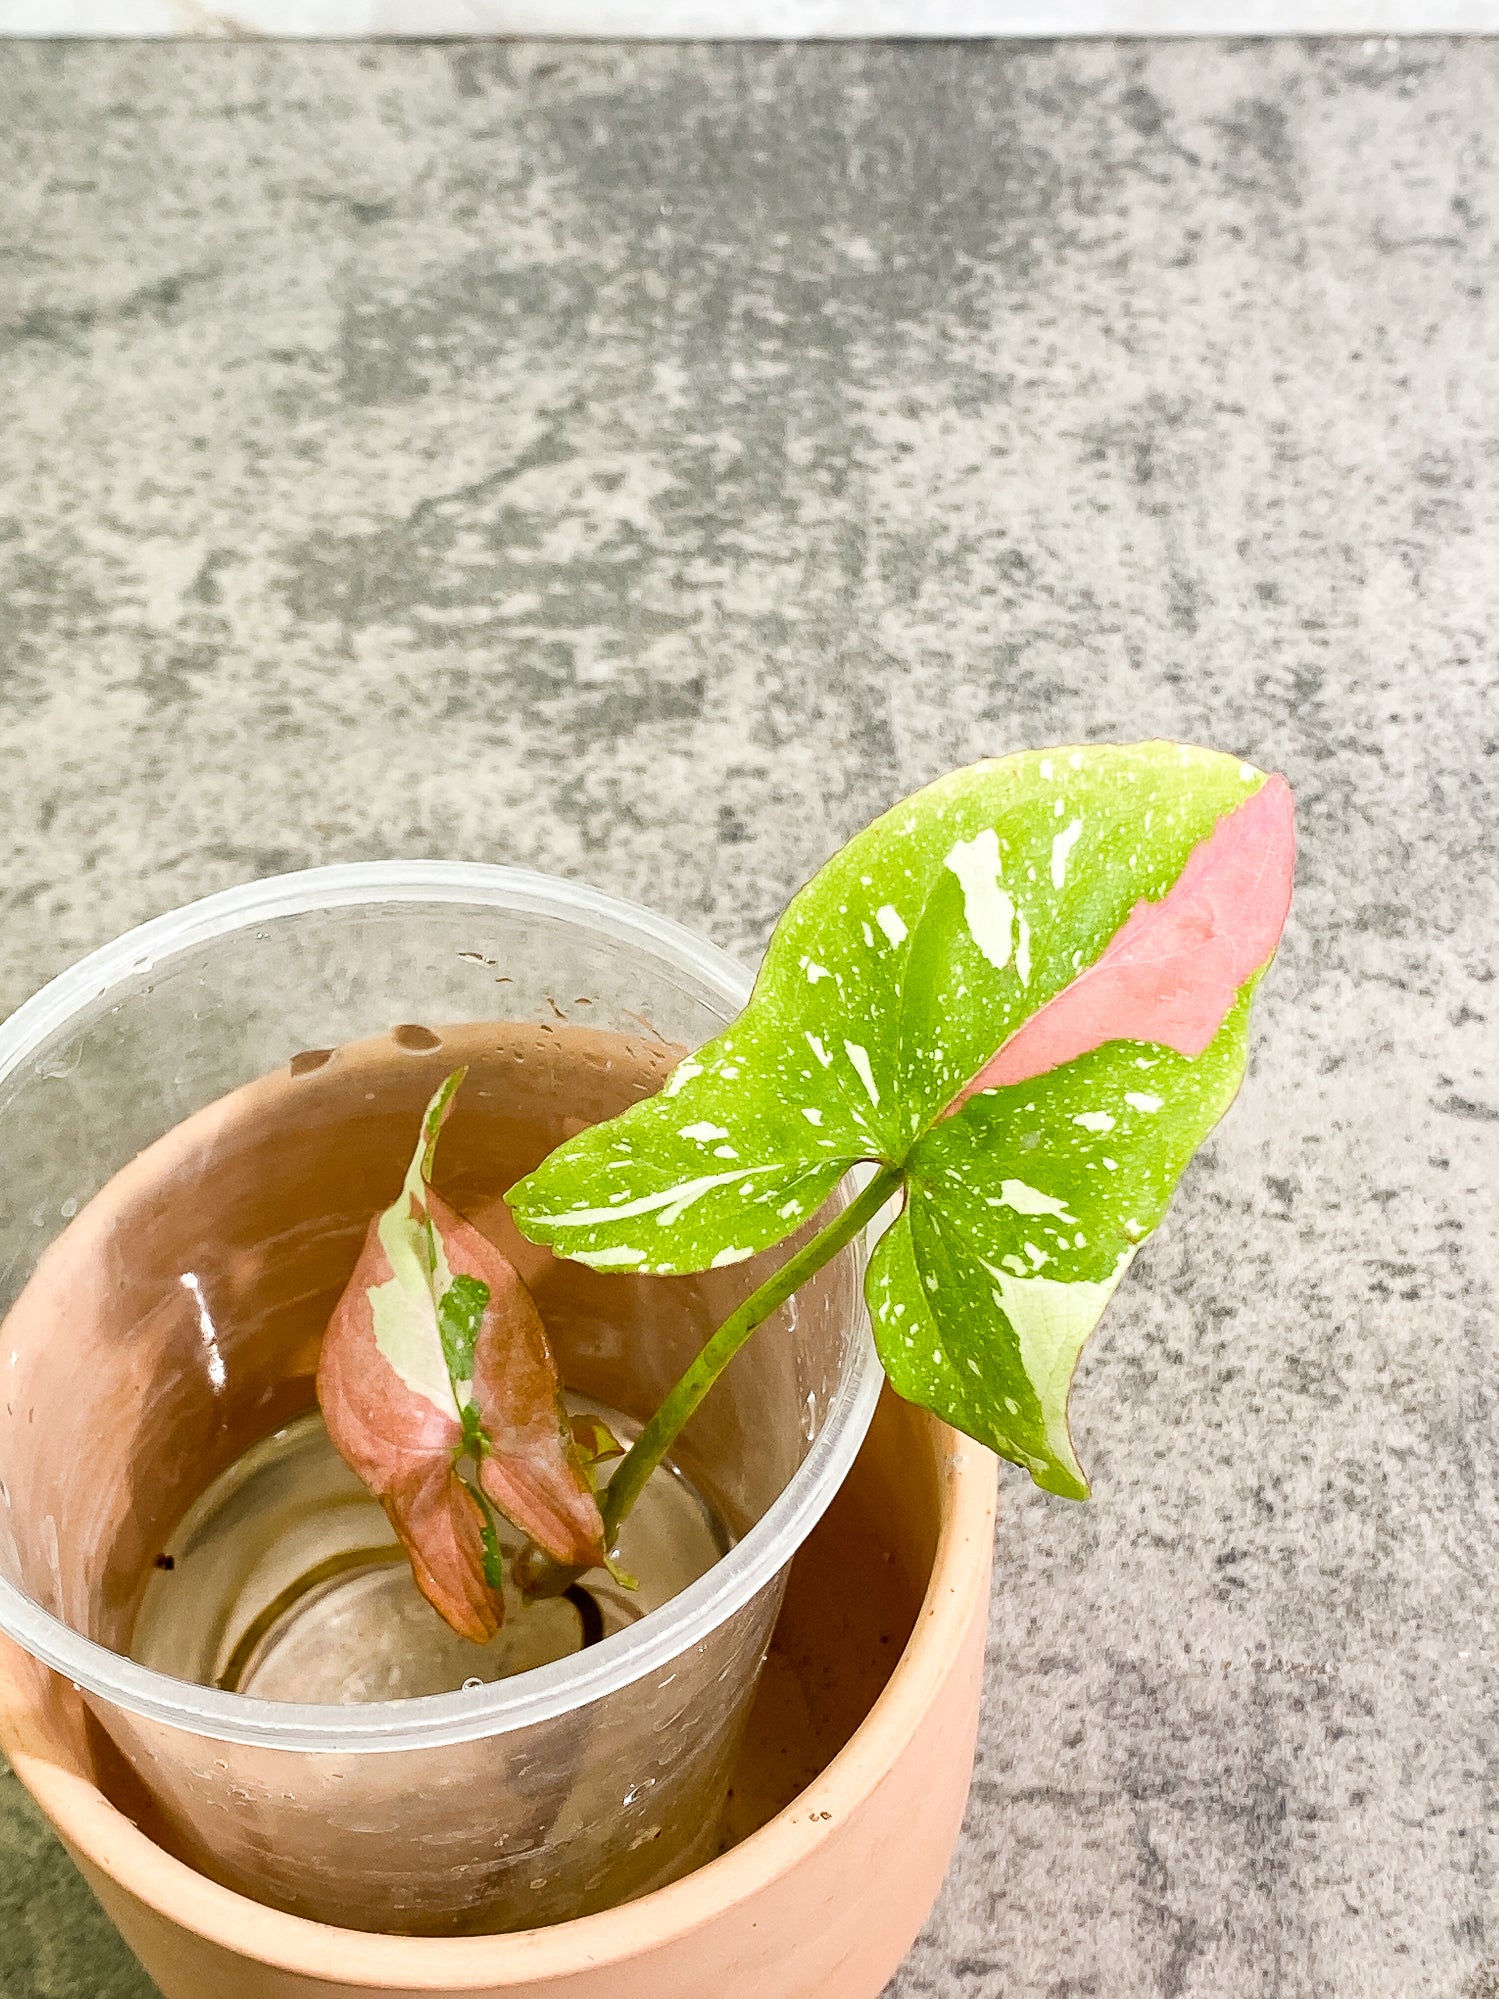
{"x": 100, "y": 1834}
{"x": 548, "y": 1691}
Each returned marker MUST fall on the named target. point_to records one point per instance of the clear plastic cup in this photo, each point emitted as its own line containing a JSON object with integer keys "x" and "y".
{"x": 167, "y": 1241}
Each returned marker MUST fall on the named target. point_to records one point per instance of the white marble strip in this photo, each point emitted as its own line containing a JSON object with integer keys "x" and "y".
{"x": 747, "y": 20}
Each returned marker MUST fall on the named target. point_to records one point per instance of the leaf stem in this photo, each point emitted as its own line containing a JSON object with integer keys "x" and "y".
{"x": 658, "y": 1436}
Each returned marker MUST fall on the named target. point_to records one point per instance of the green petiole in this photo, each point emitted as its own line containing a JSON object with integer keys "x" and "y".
{"x": 662, "y": 1431}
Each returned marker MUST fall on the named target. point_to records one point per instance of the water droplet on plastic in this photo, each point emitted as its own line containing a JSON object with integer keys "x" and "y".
{"x": 415, "y": 1039}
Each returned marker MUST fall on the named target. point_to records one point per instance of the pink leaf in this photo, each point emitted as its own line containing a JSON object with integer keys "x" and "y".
{"x": 404, "y": 1424}
{"x": 405, "y": 1448}
{"x": 532, "y": 1470}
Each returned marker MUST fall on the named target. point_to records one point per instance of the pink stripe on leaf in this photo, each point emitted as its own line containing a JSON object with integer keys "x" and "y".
{"x": 1174, "y": 969}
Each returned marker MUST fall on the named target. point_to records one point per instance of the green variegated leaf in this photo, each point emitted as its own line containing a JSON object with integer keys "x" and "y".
{"x": 1062, "y": 915}
{"x": 665, "y": 1187}
{"x": 1022, "y": 1212}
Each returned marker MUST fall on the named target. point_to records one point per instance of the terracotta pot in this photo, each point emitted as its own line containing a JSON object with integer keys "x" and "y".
{"x": 824, "y": 1898}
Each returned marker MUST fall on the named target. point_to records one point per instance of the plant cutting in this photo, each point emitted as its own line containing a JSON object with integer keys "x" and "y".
{"x": 1004, "y": 1015}
{"x": 1019, "y": 1000}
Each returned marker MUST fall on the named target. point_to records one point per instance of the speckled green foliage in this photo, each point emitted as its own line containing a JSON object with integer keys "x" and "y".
{"x": 1021, "y": 1214}
{"x": 890, "y": 981}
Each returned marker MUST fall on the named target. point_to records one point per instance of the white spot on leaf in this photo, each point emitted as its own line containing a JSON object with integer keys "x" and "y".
{"x": 987, "y": 909}
{"x": 1052, "y": 1319}
{"x": 1094, "y": 1120}
{"x": 704, "y": 1132}
{"x": 888, "y": 918}
{"x": 859, "y": 1056}
{"x": 1061, "y": 847}
{"x": 672, "y": 1203}
{"x": 1141, "y": 1100}
{"x": 1031, "y": 1201}
{"x": 683, "y": 1073}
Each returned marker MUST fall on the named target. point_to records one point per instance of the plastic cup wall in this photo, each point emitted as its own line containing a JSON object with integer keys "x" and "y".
{"x": 169, "y": 1244}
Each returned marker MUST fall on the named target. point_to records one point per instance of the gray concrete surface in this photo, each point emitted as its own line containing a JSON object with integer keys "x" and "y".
{"x": 646, "y": 464}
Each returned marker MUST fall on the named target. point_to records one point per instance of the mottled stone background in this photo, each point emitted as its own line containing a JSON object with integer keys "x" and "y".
{"x": 646, "y": 464}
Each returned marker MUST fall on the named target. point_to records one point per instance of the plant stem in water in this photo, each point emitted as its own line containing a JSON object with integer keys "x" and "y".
{"x": 658, "y": 1436}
